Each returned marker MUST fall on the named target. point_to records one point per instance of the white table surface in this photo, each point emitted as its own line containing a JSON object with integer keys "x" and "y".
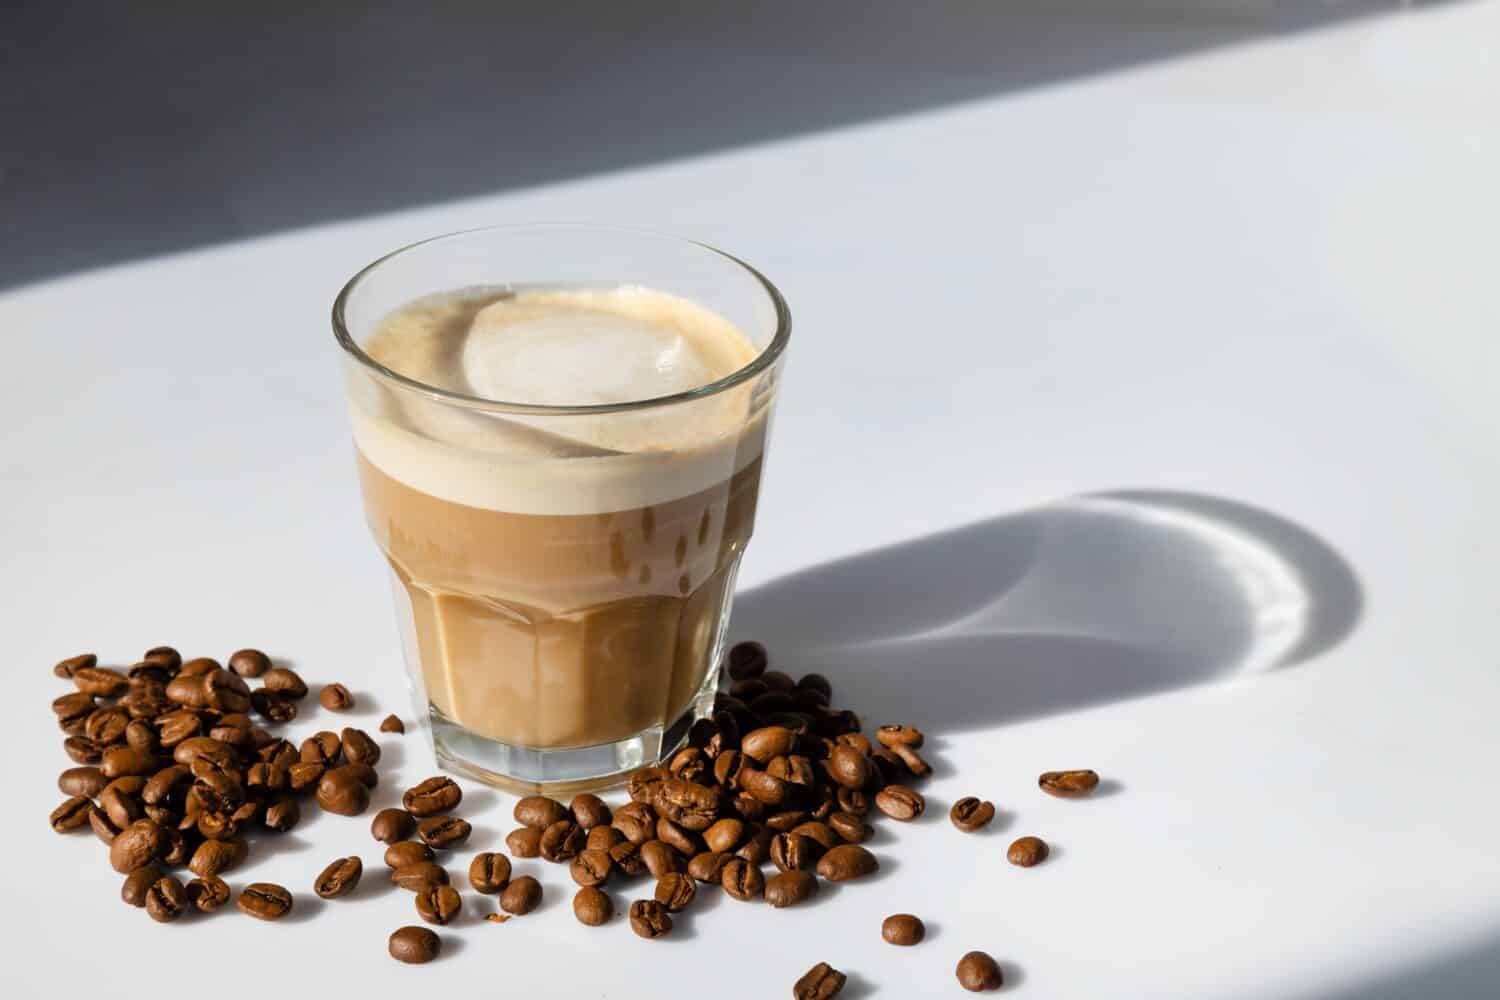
{"x": 1175, "y": 388}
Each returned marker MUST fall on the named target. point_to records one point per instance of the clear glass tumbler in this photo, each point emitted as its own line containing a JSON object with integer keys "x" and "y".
{"x": 562, "y": 599}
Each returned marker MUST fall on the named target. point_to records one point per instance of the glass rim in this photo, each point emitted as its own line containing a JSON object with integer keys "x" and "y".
{"x": 762, "y": 361}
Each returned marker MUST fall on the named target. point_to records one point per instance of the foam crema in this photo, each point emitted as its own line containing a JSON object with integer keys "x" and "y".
{"x": 558, "y": 347}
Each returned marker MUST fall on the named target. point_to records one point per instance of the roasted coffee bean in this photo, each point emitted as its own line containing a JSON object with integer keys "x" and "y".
{"x": 762, "y": 786}
{"x": 137, "y": 883}
{"x": 199, "y": 666}
{"x": 521, "y": 896}
{"x": 900, "y": 803}
{"x": 762, "y": 744}
{"x": 602, "y": 838}
{"x": 73, "y": 710}
{"x": 757, "y": 850}
{"x": 73, "y": 814}
{"x": 590, "y": 811}
{"x": 407, "y": 852}
{"x": 708, "y": 866}
{"x": 742, "y": 880}
{"x": 414, "y": 945}
{"x": 747, "y": 660}
{"x": 850, "y": 827}
{"x": 820, "y": 833}
{"x": 978, "y": 972}
{"x": 489, "y": 872}
{"x": 282, "y": 815}
{"x": 215, "y": 857}
{"x": 391, "y": 825}
{"x": 166, "y": 900}
{"x": 634, "y": 827}
{"x": 855, "y": 741}
{"x": 249, "y": 813}
{"x": 524, "y": 842}
{"x": 215, "y": 825}
{"x": 233, "y": 729}
{"x": 1068, "y": 784}
{"x": 66, "y": 668}
{"x": 187, "y": 690}
{"x": 893, "y": 736}
{"x": 175, "y": 727}
{"x": 419, "y": 875}
{"x": 903, "y": 929}
{"x": 592, "y": 907}
{"x": 139, "y": 844}
{"x": 677, "y": 838}
{"x": 433, "y": 796}
{"x": 82, "y": 750}
{"x": 794, "y": 769}
{"x": 263, "y": 777}
{"x": 439, "y": 905}
{"x": 727, "y": 767}
{"x": 340, "y": 791}
{"x": 676, "y": 891}
{"x": 249, "y": 662}
{"x": 778, "y": 680}
{"x": 121, "y": 809}
{"x": 689, "y": 764}
{"x": 146, "y": 702}
{"x": 278, "y": 708}
{"x": 164, "y": 656}
{"x": 627, "y": 858}
{"x": 748, "y": 689}
{"x": 887, "y": 768}
{"x": 785, "y": 822}
{"x": 103, "y": 827}
{"x": 392, "y": 724}
{"x": 149, "y": 672}
{"x": 82, "y": 781}
{"x": 101, "y": 682}
{"x": 561, "y": 841}
{"x": 591, "y": 868}
{"x": 335, "y": 698}
{"x": 207, "y": 894}
{"x": 304, "y": 775}
{"x": 339, "y": 878}
{"x": 725, "y": 835}
{"x": 364, "y": 773}
{"x": 106, "y": 725}
{"x": 845, "y": 862}
{"x": 190, "y": 749}
{"x": 790, "y": 888}
{"x": 142, "y": 735}
{"x": 119, "y": 761}
{"x": 165, "y": 785}
{"x": 912, "y": 761}
{"x": 321, "y": 747}
{"x": 276, "y": 751}
{"x": 821, "y": 982}
{"x": 970, "y": 814}
{"x": 539, "y": 811}
{"x": 443, "y": 832}
{"x": 639, "y": 810}
{"x": 1027, "y": 851}
{"x": 285, "y": 682}
{"x": 649, "y": 919}
{"x": 793, "y": 852}
{"x": 226, "y": 692}
{"x": 180, "y": 846}
{"x": 265, "y": 901}
{"x": 849, "y": 767}
{"x": 643, "y": 783}
{"x": 358, "y": 747}
{"x": 659, "y": 858}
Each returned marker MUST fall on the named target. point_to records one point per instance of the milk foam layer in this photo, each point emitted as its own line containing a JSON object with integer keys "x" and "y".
{"x": 559, "y": 347}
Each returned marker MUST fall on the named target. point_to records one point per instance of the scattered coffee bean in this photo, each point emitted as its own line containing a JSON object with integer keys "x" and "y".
{"x": 649, "y": 919}
{"x": 320, "y": 748}
{"x": 82, "y": 750}
{"x": 521, "y": 896}
{"x": 592, "y": 906}
{"x": 747, "y": 660}
{"x": 249, "y": 662}
{"x": 285, "y": 682}
{"x": 970, "y": 814}
{"x": 342, "y": 792}
{"x": 282, "y": 815}
{"x": 264, "y": 901}
{"x": 591, "y": 868}
{"x": 659, "y": 858}
{"x": 207, "y": 894}
{"x": 561, "y": 841}
{"x": 444, "y": 832}
{"x": 762, "y": 744}
{"x": 433, "y": 796}
{"x": 849, "y": 767}
{"x": 677, "y": 838}
{"x": 708, "y": 866}
{"x": 120, "y": 761}
{"x": 742, "y": 880}
{"x": 101, "y": 682}
{"x": 414, "y": 945}
{"x": 539, "y": 811}
{"x": 912, "y": 761}
{"x": 1027, "y": 851}
{"x": 643, "y": 782}
{"x": 893, "y": 736}
{"x": 850, "y": 827}
{"x": 419, "y": 876}
{"x": 489, "y": 872}
{"x": 85, "y": 782}
{"x": 138, "y": 844}
{"x": 122, "y": 809}
{"x": 102, "y": 826}
{"x": 358, "y": 747}
{"x": 392, "y": 724}
{"x": 339, "y": 878}
{"x": 900, "y": 803}
{"x": 524, "y": 842}
{"x": 794, "y": 852}
{"x": 166, "y": 900}
{"x": 845, "y": 862}
{"x": 1068, "y": 784}
{"x": 978, "y": 972}
{"x": 903, "y": 929}
{"x": 627, "y": 858}
{"x": 277, "y": 708}
{"x": 675, "y": 891}
{"x": 821, "y": 982}
{"x": 407, "y": 852}
{"x": 73, "y": 814}
{"x": 335, "y": 698}
{"x": 137, "y": 883}
{"x": 66, "y": 668}
{"x": 391, "y": 825}
{"x": 439, "y": 905}
{"x": 589, "y": 811}
{"x": 602, "y": 838}
{"x": 303, "y": 775}
{"x": 214, "y": 857}
{"x": 790, "y": 888}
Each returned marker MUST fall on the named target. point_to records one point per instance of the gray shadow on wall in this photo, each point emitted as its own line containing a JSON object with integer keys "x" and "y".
{"x": 1089, "y": 600}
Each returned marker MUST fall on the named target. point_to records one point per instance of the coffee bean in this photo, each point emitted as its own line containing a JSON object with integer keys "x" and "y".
{"x": 340, "y": 791}
{"x": 643, "y": 783}
{"x": 72, "y": 711}
{"x": 433, "y": 796}
{"x": 439, "y": 905}
{"x": 73, "y": 814}
{"x": 592, "y": 906}
{"x": 277, "y": 708}
{"x": 81, "y": 781}
{"x": 282, "y": 815}
{"x": 214, "y": 857}
{"x": 521, "y": 896}
{"x": 226, "y": 692}
{"x": 285, "y": 682}
{"x": 407, "y": 852}
{"x": 207, "y": 894}
{"x": 419, "y": 875}
{"x": 358, "y": 747}
{"x": 138, "y": 883}
{"x": 335, "y": 698}
{"x": 106, "y": 725}
{"x": 121, "y": 809}
{"x": 320, "y": 748}
{"x": 561, "y": 841}
{"x": 793, "y": 852}
{"x": 489, "y": 872}
{"x": 249, "y": 662}
{"x": 443, "y": 832}
{"x": 627, "y": 857}
{"x": 747, "y": 660}
{"x": 850, "y": 827}
{"x": 785, "y": 822}
{"x": 903, "y": 929}
{"x": 166, "y": 900}
{"x": 101, "y": 682}
{"x": 66, "y": 668}
{"x": 139, "y": 844}
{"x": 742, "y": 880}
{"x": 591, "y": 868}
{"x": 970, "y": 814}
{"x": 762, "y": 744}
{"x": 391, "y": 825}
{"x": 1027, "y": 851}
{"x": 1068, "y": 784}
{"x": 978, "y": 972}
{"x": 676, "y": 891}
{"x": 845, "y": 862}
{"x": 659, "y": 858}
{"x": 763, "y": 786}
{"x": 677, "y": 838}
{"x": 725, "y": 835}
{"x": 119, "y": 761}
{"x": 82, "y": 750}
{"x": 589, "y": 811}
{"x": 912, "y": 761}
{"x": 893, "y": 736}
{"x": 199, "y": 666}
{"x": 900, "y": 803}
{"x": 602, "y": 838}
{"x": 392, "y": 724}
{"x": 339, "y": 878}
{"x": 849, "y": 767}
{"x": 821, "y": 982}
{"x": 757, "y": 850}
{"x": 414, "y": 945}
{"x": 649, "y": 919}
{"x": 103, "y": 827}
{"x": 524, "y": 842}
{"x": 140, "y": 734}
{"x": 193, "y": 747}
{"x": 264, "y": 901}
{"x": 790, "y": 888}
{"x": 727, "y": 767}
{"x": 708, "y": 866}
{"x": 634, "y": 827}
{"x": 819, "y": 833}
{"x": 539, "y": 811}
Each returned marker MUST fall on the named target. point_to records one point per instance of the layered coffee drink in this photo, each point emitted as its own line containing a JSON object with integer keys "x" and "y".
{"x": 564, "y": 556}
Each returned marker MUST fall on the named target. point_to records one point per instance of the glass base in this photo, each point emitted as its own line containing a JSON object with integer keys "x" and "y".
{"x": 562, "y": 772}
